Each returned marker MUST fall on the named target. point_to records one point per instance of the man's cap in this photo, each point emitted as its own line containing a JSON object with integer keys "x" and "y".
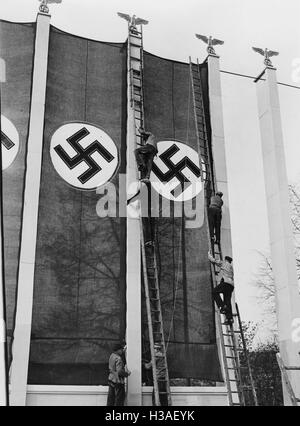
{"x": 228, "y": 258}
{"x": 219, "y": 193}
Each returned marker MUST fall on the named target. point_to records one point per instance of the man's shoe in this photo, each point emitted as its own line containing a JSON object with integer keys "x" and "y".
{"x": 228, "y": 322}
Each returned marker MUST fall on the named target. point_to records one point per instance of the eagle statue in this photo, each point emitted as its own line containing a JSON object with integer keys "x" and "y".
{"x": 211, "y": 42}
{"x": 133, "y": 20}
{"x": 44, "y": 5}
{"x": 267, "y": 54}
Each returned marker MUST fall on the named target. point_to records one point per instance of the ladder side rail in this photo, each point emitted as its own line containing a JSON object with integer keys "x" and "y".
{"x": 139, "y": 106}
{"x": 235, "y": 358}
{"x": 246, "y": 354}
{"x": 287, "y": 382}
{"x": 212, "y": 266}
{"x": 196, "y": 121}
{"x": 168, "y": 389}
{"x": 149, "y": 315}
{"x": 142, "y": 79}
{"x": 237, "y": 364}
{"x": 211, "y": 163}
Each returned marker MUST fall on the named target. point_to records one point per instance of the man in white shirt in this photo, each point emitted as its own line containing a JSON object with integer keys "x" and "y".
{"x": 225, "y": 286}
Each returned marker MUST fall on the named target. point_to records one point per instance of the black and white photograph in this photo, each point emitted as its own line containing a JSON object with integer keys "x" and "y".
{"x": 149, "y": 205}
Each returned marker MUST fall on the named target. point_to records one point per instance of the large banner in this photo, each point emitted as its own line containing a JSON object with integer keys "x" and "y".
{"x": 79, "y": 289}
{"x": 79, "y": 305}
{"x": 184, "y": 269}
{"x": 16, "y": 51}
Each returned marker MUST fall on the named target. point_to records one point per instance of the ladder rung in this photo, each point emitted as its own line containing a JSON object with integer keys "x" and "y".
{"x": 133, "y": 58}
{"x": 134, "y": 32}
{"x": 136, "y": 45}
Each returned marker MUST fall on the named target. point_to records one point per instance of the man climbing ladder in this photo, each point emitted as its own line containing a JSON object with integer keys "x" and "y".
{"x": 145, "y": 155}
{"x": 225, "y": 286}
{"x": 215, "y": 217}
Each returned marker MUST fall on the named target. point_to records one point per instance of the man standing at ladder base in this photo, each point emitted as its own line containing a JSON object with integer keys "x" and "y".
{"x": 225, "y": 286}
{"x": 215, "y": 216}
{"x": 161, "y": 375}
{"x": 145, "y": 155}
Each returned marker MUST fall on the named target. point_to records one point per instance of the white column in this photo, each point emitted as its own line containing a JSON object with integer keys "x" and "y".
{"x": 280, "y": 229}
{"x": 220, "y": 173}
{"x": 22, "y": 332}
{"x": 3, "y": 355}
{"x": 218, "y": 147}
{"x": 133, "y": 279}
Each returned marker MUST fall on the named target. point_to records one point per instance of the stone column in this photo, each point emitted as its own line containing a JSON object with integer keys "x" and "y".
{"x": 3, "y": 348}
{"x": 280, "y": 228}
{"x": 134, "y": 316}
{"x": 218, "y": 147}
{"x": 22, "y": 332}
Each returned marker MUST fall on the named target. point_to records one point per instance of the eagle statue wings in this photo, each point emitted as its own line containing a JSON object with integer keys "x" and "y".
{"x": 133, "y": 20}
{"x": 267, "y": 54}
{"x": 210, "y": 42}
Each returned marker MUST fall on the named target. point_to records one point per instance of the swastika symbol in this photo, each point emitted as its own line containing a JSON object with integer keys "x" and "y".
{"x": 83, "y": 155}
{"x": 175, "y": 170}
{"x": 6, "y": 141}
{"x": 10, "y": 142}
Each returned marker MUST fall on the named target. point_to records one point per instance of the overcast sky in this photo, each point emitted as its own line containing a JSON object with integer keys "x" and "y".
{"x": 170, "y": 34}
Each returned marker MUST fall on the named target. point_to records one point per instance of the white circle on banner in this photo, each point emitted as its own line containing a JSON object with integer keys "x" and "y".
{"x": 10, "y": 142}
{"x": 176, "y": 171}
{"x": 83, "y": 155}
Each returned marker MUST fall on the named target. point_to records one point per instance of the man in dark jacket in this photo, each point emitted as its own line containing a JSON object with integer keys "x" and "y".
{"x": 116, "y": 379}
{"x": 145, "y": 155}
{"x": 215, "y": 216}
